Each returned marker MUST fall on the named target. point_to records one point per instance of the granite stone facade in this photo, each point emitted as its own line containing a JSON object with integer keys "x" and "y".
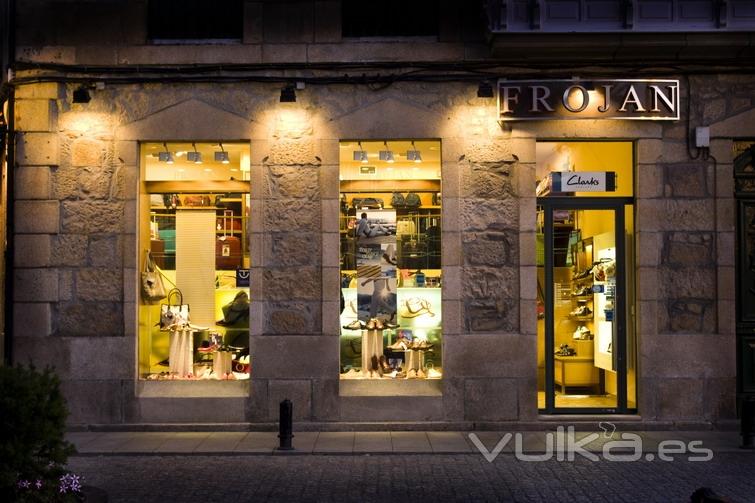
{"x": 75, "y": 267}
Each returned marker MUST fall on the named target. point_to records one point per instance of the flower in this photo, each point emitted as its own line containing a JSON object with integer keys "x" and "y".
{"x": 38, "y": 484}
{"x": 70, "y": 482}
{"x": 23, "y": 484}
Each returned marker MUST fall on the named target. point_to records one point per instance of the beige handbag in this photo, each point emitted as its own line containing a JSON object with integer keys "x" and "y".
{"x": 153, "y": 289}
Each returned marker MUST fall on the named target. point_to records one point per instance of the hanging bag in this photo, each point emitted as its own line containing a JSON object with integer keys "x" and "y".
{"x": 153, "y": 288}
{"x": 174, "y": 313}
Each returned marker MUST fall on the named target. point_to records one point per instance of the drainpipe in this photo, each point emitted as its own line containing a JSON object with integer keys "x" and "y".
{"x": 10, "y": 162}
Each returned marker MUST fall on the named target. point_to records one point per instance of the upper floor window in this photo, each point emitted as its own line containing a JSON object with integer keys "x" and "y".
{"x": 390, "y": 18}
{"x": 195, "y": 19}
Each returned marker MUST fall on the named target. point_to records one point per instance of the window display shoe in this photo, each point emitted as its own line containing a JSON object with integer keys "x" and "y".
{"x": 433, "y": 374}
{"x": 354, "y": 325}
{"x": 378, "y": 324}
{"x": 399, "y": 345}
{"x": 391, "y": 325}
{"x": 416, "y": 307}
{"x": 421, "y": 374}
{"x": 371, "y": 324}
{"x": 384, "y": 365}
{"x": 376, "y": 365}
{"x": 412, "y": 374}
{"x": 581, "y": 311}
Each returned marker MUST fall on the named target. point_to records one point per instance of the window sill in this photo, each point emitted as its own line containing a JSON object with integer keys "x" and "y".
{"x": 192, "y": 389}
{"x": 385, "y": 387}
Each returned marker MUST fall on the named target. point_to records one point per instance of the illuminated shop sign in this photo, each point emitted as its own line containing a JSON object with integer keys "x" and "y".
{"x": 583, "y": 181}
{"x": 588, "y": 99}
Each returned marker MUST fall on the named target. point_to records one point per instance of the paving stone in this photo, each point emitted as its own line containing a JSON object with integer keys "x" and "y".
{"x": 222, "y": 441}
{"x": 335, "y": 441}
{"x": 182, "y": 442}
{"x": 410, "y": 441}
{"x": 422, "y": 477}
{"x": 373, "y": 442}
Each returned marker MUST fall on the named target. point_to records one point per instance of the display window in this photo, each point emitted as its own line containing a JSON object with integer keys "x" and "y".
{"x": 585, "y": 276}
{"x": 193, "y": 311}
{"x": 390, "y": 227}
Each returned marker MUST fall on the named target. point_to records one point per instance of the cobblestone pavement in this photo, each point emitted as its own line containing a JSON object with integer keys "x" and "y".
{"x": 411, "y": 477}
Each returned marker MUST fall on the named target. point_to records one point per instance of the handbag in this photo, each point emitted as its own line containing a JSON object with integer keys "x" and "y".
{"x": 236, "y": 311}
{"x": 153, "y": 288}
{"x": 172, "y": 314}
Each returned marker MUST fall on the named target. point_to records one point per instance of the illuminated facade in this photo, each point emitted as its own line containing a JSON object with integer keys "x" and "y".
{"x": 476, "y": 292}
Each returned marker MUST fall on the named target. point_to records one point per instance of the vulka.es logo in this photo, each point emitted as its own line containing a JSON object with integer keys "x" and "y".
{"x": 564, "y": 446}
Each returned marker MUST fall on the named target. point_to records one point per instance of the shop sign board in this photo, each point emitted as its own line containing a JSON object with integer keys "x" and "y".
{"x": 583, "y": 181}
{"x": 574, "y": 99}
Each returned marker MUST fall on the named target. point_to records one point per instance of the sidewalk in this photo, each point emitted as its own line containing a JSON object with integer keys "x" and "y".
{"x": 360, "y": 443}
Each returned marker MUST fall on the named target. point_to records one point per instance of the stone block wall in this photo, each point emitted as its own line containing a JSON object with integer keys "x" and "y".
{"x": 77, "y": 183}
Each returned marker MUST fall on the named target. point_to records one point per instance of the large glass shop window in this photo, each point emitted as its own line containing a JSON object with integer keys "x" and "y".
{"x": 194, "y": 258}
{"x": 390, "y": 225}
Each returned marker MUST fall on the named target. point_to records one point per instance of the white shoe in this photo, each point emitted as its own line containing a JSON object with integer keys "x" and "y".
{"x": 433, "y": 374}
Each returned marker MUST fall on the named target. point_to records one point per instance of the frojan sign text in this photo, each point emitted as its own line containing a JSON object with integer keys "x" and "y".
{"x": 588, "y": 99}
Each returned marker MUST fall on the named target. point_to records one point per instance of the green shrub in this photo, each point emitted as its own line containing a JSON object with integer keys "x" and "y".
{"x": 33, "y": 451}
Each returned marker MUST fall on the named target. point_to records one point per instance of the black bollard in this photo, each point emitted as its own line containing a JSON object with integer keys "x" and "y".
{"x": 286, "y": 425}
{"x": 748, "y": 421}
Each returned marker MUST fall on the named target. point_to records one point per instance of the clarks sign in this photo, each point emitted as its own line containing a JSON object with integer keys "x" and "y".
{"x": 588, "y": 99}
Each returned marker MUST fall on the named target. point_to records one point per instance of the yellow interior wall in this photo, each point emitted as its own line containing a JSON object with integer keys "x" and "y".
{"x": 590, "y": 156}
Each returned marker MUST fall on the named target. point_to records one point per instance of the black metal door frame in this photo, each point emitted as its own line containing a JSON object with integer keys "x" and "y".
{"x": 616, "y": 204}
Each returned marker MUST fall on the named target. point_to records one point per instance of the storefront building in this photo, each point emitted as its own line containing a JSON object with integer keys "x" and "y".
{"x": 414, "y": 232}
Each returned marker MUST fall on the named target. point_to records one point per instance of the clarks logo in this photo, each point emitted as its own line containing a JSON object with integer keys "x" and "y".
{"x": 578, "y": 181}
{"x": 594, "y": 99}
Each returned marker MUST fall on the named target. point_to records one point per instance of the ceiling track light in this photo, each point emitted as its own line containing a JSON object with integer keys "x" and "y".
{"x": 195, "y": 157}
{"x": 166, "y": 156}
{"x": 387, "y": 154}
{"x": 414, "y": 154}
{"x": 222, "y": 156}
{"x": 361, "y": 154}
{"x": 81, "y": 95}
{"x": 485, "y": 90}
{"x": 288, "y": 94}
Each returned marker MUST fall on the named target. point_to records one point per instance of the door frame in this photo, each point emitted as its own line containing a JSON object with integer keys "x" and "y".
{"x": 616, "y": 204}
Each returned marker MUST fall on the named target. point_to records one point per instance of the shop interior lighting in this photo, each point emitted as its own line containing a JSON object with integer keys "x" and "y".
{"x": 195, "y": 157}
{"x": 222, "y": 156}
{"x": 387, "y": 154}
{"x": 414, "y": 154}
{"x": 485, "y": 89}
{"x": 361, "y": 154}
{"x": 288, "y": 94}
{"x": 166, "y": 155}
{"x": 81, "y": 95}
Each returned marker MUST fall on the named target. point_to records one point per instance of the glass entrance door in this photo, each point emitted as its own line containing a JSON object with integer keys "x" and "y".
{"x": 583, "y": 291}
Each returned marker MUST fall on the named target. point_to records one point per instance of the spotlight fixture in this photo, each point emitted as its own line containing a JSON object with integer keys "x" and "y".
{"x": 414, "y": 154}
{"x": 386, "y": 155}
{"x": 485, "y": 89}
{"x": 288, "y": 94}
{"x": 222, "y": 156}
{"x": 81, "y": 95}
{"x": 361, "y": 154}
{"x": 195, "y": 157}
{"x": 166, "y": 156}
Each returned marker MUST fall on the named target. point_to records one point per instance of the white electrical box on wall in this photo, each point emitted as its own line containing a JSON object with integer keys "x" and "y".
{"x": 702, "y": 137}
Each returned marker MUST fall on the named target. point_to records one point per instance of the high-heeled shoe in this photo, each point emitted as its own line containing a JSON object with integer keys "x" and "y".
{"x": 378, "y": 324}
{"x": 371, "y": 324}
{"x": 376, "y": 365}
{"x": 384, "y": 365}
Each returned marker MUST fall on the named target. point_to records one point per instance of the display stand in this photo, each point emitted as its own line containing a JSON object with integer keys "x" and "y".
{"x": 372, "y": 345}
{"x": 415, "y": 360}
{"x": 181, "y": 359}
{"x": 221, "y": 363}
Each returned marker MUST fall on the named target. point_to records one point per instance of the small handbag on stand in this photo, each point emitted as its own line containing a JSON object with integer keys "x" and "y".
{"x": 172, "y": 314}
